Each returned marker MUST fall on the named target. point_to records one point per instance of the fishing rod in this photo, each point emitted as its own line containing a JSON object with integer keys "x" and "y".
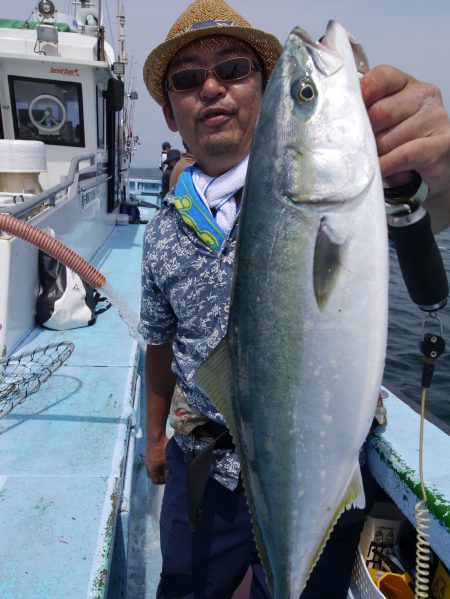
{"x": 422, "y": 268}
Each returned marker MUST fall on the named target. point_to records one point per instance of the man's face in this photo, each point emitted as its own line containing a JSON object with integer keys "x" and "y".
{"x": 217, "y": 119}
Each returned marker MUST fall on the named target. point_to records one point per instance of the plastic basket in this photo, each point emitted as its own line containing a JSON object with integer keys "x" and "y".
{"x": 362, "y": 585}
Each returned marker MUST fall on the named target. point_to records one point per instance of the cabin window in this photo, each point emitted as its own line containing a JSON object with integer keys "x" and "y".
{"x": 100, "y": 118}
{"x": 47, "y": 110}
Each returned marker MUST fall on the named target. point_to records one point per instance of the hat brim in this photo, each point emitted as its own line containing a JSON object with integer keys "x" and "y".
{"x": 267, "y": 47}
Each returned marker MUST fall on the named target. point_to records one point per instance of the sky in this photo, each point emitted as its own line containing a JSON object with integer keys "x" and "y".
{"x": 412, "y": 35}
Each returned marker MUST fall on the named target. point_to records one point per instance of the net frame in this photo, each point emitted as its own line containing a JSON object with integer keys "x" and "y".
{"x": 23, "y": 374}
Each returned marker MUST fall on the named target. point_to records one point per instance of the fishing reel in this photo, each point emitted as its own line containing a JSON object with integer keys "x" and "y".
{"x": 420, "y": 262}
{"x": 419, "y": 257}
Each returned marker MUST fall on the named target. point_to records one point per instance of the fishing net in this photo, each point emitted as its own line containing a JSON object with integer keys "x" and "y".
{"x": 21, "y": 375}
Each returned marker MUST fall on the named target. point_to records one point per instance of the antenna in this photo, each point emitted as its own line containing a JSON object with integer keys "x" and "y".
{"x": 121, "y": 18}
{"x": 119, "y": 64}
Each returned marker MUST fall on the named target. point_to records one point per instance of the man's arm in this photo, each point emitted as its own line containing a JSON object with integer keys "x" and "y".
{"x": 412, "y": 131}
{"x": 160, "y": 384}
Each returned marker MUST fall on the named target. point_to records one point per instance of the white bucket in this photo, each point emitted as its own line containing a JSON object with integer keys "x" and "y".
{"x": 20, "y": 165}
{"x": 380, "y": 531}
{"x": 17, "y": 156}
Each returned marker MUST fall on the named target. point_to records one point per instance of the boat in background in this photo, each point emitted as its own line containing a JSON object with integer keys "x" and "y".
{"x": 67, "y": 452}
{"x": 145, "y": 188}
{"x": 65, "y": 145}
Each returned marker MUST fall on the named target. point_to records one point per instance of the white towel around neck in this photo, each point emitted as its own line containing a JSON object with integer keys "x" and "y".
{"x": 219, "y": 192}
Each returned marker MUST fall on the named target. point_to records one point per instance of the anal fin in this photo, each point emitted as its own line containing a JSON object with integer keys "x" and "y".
{"x": 354, "y": 495}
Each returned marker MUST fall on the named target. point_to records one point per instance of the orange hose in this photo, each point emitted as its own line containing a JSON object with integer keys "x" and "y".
{"x": 54, "y": 248}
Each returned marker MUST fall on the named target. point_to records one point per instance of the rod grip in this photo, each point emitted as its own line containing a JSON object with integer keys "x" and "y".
{"x": 420, "y": 259}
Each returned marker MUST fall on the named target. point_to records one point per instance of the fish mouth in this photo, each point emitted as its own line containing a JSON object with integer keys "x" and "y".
{"x": 325, "y": 57}
{"x": 324, "y": 52}
{"x": 319, "y": 202}
{"x": 334, "y": 29}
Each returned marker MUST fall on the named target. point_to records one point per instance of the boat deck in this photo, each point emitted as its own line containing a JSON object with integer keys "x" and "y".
{"x": 63, "y": 451}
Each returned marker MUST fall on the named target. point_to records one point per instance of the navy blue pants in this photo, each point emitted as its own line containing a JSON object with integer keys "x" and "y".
{"x": 210, "y": 562}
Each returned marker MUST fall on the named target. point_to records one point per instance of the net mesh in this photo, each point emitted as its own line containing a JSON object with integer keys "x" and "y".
{"x": 21, "y": 375}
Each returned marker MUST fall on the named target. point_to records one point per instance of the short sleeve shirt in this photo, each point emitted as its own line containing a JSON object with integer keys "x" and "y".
{"x": 185, "y": 298}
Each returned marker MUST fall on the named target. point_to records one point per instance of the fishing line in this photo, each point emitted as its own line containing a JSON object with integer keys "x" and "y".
{"x": 432, "y": 346}
{"x": 422, "y": 521}
{"x": 110, "y": 28}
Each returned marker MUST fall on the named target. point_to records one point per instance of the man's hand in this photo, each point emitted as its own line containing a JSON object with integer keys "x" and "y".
{"x": 160, "y": 383}
{"x": 412, "y": 131}
{"x": 155, "y": 461}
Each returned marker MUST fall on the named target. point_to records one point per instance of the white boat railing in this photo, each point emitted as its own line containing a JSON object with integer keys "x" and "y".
{"x": 49, "y": 196}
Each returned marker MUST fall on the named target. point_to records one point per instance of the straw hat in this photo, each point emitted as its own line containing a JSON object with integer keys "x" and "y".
{"x": 203, "y": 18}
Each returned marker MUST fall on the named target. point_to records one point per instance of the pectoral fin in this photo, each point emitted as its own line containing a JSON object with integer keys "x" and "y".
{"x": 328, "y": 255}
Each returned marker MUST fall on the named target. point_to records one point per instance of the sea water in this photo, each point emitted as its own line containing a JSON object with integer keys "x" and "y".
{"x": 404, "y": 361}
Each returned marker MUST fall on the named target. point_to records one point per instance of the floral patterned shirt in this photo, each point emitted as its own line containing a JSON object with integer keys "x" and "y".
{"x": 185, "y": 298}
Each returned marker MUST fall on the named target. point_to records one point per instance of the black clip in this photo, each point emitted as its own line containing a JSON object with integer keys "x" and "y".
{"x": 432, "y": 347}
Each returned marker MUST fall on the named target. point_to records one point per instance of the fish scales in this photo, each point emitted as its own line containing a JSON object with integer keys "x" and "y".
{"x": 297, "y": 375}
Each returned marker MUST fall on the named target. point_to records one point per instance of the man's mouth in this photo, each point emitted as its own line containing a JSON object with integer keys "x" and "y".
{"x": 214, "y": 117}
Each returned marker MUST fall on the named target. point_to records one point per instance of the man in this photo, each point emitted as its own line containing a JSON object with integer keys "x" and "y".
{"x": 186, "y": 279}
{"x": 165, "y": 147}
{"x": 173, "y": 156}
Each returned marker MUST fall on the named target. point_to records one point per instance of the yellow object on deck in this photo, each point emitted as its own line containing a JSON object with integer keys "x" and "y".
{"x": 393, "y": 586}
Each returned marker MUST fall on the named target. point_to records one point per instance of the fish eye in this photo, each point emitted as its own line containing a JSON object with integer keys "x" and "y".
{"x": 307, "y": 91}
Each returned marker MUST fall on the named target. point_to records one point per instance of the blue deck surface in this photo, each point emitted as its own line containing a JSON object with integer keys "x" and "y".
{"x": 63, "y": 451}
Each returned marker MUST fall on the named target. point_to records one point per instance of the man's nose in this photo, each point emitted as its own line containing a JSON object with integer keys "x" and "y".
{"x": 212, "y": 86}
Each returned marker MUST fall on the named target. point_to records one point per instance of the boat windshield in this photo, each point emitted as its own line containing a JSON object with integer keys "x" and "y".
{"x": 47, "y": 110}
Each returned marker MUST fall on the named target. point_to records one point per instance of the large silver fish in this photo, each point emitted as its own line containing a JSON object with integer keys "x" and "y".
{"x": 297, "y": 376}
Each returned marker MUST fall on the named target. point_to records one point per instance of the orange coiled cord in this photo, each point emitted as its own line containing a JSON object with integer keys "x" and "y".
{"x": 54, "y": 248}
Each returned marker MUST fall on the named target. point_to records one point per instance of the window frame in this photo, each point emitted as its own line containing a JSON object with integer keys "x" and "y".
{"x": 101, "y": 126}
{"x": 54, "y": 140}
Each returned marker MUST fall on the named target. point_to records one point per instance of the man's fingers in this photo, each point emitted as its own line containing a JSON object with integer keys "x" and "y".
{"x": 422, "y": 155}
{"x": 157, "y": 473}
{"x": 410, "y": 123}
{"x": 382, "y": 81}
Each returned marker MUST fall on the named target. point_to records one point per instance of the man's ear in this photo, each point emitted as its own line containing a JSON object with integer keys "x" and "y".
{"x": 168, "y": 115}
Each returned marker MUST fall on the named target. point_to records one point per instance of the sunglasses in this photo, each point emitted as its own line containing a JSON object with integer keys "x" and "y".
{"x": 232, "y": 69}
